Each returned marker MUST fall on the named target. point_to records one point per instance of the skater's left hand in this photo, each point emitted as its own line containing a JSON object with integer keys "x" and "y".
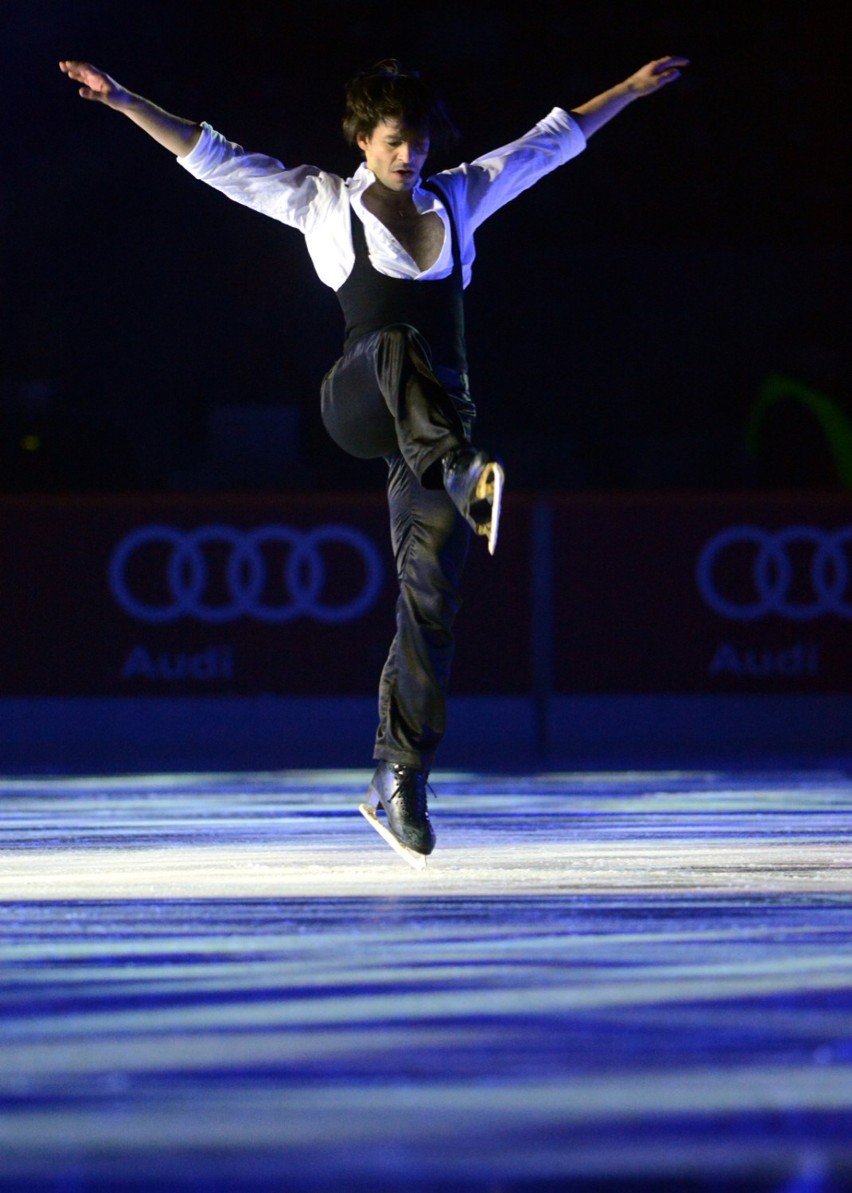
{"x": 656, "y": 74}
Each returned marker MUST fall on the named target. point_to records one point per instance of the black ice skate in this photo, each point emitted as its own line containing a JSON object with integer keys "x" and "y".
{"x": 474, "y": 482}
{"x": 401, "y": 791}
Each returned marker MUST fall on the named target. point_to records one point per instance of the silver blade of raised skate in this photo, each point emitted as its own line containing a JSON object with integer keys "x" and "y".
{"x": 498, "y": 478}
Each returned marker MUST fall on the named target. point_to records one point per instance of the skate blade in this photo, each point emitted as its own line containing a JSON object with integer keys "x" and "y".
{"x": 490, "y": 488}
{"x": 416, "y": 860}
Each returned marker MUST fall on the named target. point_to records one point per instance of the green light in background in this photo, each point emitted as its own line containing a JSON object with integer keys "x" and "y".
{"x": 835, "y": 426}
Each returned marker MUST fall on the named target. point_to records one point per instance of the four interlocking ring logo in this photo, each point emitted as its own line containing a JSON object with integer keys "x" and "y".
{"x": 246, "y": 568}
{"x": 776, "y": 588}
{"x": 304, "y": 573}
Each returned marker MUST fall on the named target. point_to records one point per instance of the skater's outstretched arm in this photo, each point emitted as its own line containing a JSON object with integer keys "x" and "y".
{"x": 650, "y": 78}
{"x": 174, "y": 132}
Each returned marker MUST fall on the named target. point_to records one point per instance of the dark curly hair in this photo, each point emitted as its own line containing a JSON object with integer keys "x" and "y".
{"x": 388, "y": 92}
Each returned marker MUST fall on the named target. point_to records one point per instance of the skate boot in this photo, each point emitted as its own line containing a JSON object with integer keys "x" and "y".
{"x": 474, "y": 483}
{"x": 401, "y": 791}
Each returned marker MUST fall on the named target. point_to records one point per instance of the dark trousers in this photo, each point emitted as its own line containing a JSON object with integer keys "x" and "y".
{"x": 384, "y": 398}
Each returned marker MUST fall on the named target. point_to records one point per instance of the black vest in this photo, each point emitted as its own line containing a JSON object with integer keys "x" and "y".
{"x": 370, "y": 300}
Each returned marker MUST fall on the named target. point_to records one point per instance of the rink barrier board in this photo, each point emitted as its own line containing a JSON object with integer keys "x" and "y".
{"x": 291, "y": 595}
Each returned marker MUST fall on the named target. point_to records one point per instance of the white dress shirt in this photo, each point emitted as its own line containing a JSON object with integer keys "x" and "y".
{"x": 319, "y": 204}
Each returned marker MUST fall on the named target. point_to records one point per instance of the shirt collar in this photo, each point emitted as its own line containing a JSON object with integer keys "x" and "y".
{"x": 363, "y": 178}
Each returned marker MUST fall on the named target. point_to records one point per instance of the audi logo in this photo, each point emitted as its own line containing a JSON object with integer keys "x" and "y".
{"x": 218, "y": 573}
{"x": 800, "y": 572}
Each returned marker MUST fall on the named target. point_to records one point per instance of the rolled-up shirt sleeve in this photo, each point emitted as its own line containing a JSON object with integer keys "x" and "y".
{"x": 486, "y": 184}
{"x": 290, "y": 196}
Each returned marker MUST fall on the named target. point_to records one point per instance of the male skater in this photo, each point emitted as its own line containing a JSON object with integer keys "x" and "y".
{"x": 398, "y": 250}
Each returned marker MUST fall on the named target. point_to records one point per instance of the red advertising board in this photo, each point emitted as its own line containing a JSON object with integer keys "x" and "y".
{"x": 294, "y": 595}
{"x": 712, "y": 594}
{"x": 181, "y": 595}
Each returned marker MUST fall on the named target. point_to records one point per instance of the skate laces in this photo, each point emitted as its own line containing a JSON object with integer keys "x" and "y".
{"x": 411, "y": 787}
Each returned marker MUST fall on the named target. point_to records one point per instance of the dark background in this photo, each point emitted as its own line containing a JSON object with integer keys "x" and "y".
{"x": 623, "y": 314}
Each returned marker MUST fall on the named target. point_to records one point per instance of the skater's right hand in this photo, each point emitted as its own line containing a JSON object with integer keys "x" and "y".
{"x": 178, "y": 135}
{"x": 96, "y": 84}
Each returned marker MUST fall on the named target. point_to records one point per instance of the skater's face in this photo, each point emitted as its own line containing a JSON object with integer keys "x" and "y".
{"x": 396, "y": 155}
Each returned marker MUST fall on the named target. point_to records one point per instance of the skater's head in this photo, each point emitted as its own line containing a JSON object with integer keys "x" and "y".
{"x": 389, "y": 94}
